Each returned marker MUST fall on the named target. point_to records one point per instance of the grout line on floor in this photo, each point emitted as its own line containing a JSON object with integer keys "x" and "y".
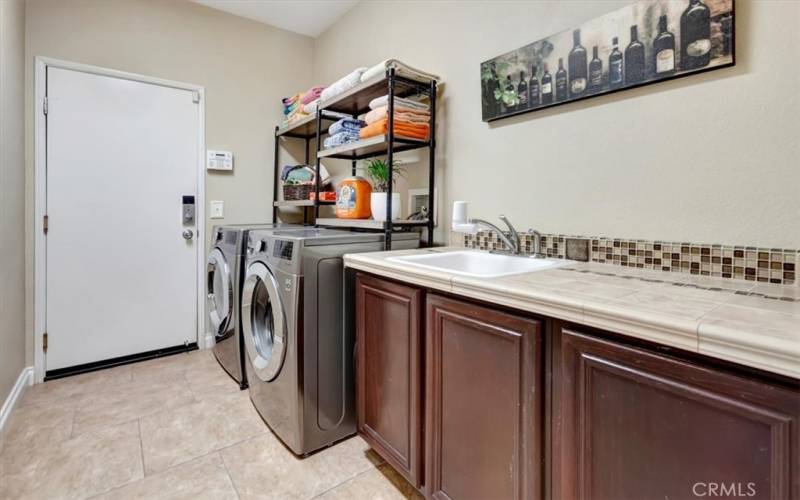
{"x": 353, "y": 478}
{"x": 211, "y": 452}
{"x": 141, "y": 447}
{"x": 155, "y": 474}
{"x": 74, "y": 411}
{"x": 228, "y": 472}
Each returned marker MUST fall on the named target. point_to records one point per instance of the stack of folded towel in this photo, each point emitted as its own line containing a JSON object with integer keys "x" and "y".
{"x": 343, "y": 84}
{"x": 343, "y": 131}
{"x": 411, "y": 119}
{"x": 310, "y": 100}
{"x": 301, "y": 105}
{"x": 400, "y": 68}
{"x": 293, "y": 109}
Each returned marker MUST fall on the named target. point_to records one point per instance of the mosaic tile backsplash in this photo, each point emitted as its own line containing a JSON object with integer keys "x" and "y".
{"x": 766, "y": 265}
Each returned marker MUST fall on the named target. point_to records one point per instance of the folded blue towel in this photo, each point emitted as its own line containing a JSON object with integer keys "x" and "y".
{"x": 346, "y": 125}
{"x": 340, "y": 139}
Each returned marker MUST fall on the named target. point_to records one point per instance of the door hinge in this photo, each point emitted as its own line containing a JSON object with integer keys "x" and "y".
{"x": 46, "y": 223}
{"x": 195, "y": 96}
{"x": 45, "y": 105}
{"x": 44, "y": 342}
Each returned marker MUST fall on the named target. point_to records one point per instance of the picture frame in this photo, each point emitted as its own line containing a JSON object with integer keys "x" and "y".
{"x": 656, "y": 40}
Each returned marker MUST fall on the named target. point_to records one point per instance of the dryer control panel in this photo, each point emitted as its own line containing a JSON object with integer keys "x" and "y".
{"x": 283, "y": 249}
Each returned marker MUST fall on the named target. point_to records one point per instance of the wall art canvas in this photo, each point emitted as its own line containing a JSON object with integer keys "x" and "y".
{"x": 646, "y": 42}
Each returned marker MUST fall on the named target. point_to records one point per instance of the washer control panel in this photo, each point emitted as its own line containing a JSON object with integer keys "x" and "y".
{"x": 283, "y": 249}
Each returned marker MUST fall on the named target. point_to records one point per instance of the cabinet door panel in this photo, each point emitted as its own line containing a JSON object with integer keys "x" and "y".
{"x": 388, "y": 372}
{"x": 642, "y": 425}
{"x": 482, "y": 410}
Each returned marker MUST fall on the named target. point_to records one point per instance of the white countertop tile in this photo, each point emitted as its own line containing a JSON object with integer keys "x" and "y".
{"x": 723, "y": 318}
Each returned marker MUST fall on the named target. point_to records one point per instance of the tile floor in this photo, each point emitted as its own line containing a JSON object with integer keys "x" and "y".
{"x": 174, "y": 427}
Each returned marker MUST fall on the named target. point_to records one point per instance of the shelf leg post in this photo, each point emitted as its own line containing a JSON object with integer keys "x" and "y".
{"x": 432, "y": 164}
{"x": 275, "y": 179}
{"x": 317, "y": 180}
{"x": 390, "y": 163}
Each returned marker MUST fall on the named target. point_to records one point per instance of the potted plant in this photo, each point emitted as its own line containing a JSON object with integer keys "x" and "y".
{"x": 378, "y": 172}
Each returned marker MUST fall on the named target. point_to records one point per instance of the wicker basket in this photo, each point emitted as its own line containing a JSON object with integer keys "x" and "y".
{"x": 294, "y": 192}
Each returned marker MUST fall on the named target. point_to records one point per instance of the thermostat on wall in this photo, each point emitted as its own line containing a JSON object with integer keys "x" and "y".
{"x": 219, "y": 160}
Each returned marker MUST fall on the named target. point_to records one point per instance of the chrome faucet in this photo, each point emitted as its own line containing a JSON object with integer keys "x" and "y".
{"x": 513, "y": 242}
{"x": 537, "y": 243}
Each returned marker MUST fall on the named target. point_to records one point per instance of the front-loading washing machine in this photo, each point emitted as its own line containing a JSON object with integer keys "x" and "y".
{"x": 298, "y": 352}
{"x": 224, "y": 273}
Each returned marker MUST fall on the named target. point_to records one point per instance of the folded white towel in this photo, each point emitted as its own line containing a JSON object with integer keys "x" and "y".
{"x": 343, "y": 84}
{"x": 311, "y": 107}
{"x": 408, "y": 103}
{"x": 400, "y": 68}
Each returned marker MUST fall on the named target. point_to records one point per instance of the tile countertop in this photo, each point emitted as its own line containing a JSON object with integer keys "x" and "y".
{"x": 753, "y": 324}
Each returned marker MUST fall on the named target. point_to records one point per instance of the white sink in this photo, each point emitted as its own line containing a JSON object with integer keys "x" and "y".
{"x": 479, "y": 264}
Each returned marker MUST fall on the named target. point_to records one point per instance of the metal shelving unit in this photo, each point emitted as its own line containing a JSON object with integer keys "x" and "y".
{"x": 354, "y": 103}
{"x": 305, "y": 130}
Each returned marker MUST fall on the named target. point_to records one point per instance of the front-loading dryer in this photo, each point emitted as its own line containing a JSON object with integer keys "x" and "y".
{"x": 298, "y": 353}
{"x": 224, "y": 272}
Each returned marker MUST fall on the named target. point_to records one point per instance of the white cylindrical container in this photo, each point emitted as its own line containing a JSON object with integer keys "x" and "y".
{"x": 460, "y": 212}
{"x": 378, "y": 206}
{"x": 460, "y": 222}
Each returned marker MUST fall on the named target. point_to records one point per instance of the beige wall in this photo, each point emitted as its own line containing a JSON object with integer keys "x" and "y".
{"x": 12, "y": 198}
{"x": 708, "y": 158}
{"x": 245, "y": 67}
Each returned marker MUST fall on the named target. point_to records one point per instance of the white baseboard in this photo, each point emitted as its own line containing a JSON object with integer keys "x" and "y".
{"x": 23, "y": 381}
{"x": 209, "y": 341}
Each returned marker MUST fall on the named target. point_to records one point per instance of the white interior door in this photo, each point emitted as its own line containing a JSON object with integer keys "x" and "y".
{"x": 121, "y": 279}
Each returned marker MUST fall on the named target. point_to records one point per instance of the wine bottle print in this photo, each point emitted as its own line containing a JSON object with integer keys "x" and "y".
{"x": 634, "y": 59}
{"x": 577, "y": 66}
{"x": 533, "y": 89}
{"x": 510, "y": 90}
{"x": 595, "y": 73}
{"x": 615, "y": 74}
{"x": 695, "y": 36}
{"x": 547, "y": 86}
{"x": 663, "y": 50}
{"x": 522, "y": 91}
{"x": 561, "y": 82}
{"x": 644, "y": 42}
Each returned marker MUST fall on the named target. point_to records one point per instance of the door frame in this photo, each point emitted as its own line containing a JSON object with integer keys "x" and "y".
{"x": 40, "y": 195}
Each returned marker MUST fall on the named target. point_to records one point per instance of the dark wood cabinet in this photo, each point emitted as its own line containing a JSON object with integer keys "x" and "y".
{"x": 389, "y": 372}
{"x": 516, "y": 407}
{"x": 630, "y": 423}
{"x": 483, "y": 416}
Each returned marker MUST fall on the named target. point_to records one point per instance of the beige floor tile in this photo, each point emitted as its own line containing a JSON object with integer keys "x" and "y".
{"x": 176, "y": 436}
{"x": 203, "y": 478}
{"x": 381, "y": 483}
{"x": 263, "y": 468}
{"x": 128, "y": 401}
{"x": 38, "y": 425}
{"x": 76, "y": 468}
{"x": 69, "y": 388}
{"x": 171, "y": 368}
{"x": 208, "y": 379}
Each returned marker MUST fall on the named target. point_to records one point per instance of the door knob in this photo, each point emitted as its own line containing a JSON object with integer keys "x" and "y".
{"x": 188, "y": 234}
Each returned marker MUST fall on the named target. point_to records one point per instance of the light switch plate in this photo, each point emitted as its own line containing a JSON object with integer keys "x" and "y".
{"x": 217, "y": 209}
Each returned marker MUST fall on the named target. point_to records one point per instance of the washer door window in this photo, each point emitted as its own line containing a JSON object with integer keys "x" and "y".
{"x": 263, "y": 322}
{"x": 220, "y": 292}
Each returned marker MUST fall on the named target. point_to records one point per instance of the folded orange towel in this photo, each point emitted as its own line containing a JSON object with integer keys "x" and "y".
{"x": 400, "y": 112}
{"x": 401, "y": 128}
